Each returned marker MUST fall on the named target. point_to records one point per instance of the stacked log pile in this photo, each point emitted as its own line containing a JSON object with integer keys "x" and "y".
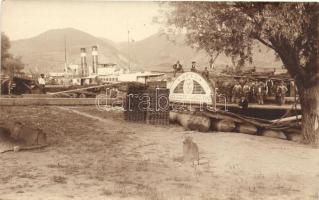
{"x": 221, "y": 121}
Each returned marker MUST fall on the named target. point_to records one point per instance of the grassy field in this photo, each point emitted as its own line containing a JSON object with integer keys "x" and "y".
{"x": 104, "y": 157}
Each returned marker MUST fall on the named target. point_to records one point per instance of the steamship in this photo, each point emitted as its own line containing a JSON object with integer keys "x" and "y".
{"x": 97, "y": 73}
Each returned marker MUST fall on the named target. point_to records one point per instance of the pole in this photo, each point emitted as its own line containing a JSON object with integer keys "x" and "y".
{"x": 65, "y": 61}
{"x": 128, "y": 50}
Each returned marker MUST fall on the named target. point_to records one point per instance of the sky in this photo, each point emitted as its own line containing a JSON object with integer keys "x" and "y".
{"x": 27, "y": 18}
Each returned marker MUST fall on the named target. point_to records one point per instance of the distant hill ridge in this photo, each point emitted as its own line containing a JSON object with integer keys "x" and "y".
{"x": 45, "y": 52}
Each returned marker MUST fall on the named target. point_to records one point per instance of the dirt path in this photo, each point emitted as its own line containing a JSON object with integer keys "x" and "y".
{"x": 113, "y": 159}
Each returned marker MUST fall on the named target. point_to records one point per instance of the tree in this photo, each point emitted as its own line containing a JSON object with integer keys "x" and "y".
{"x": 5, "y": 46}
{"x": 9, "y": 63}
{"x": 290, "y": 29}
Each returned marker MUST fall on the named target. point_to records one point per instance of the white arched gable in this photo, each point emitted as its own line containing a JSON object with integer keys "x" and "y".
{"x": 192, "y": 88}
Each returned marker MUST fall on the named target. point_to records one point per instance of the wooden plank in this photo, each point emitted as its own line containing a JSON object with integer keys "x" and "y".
{"x": 256, "y": 122}
{"x": 288, "y": 119}
{"x": 94, "y": 87}
{"x": 264, "y": 106}
{"x": 38, "y": 96}
{"x": 80, "y": 89}
{"x": 49, "y": 101}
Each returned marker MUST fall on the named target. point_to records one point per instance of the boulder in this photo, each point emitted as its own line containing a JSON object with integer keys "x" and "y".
{"x": 274, "y": 134}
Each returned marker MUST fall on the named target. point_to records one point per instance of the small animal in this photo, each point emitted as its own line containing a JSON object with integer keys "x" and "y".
{"x": 27, "y": 135}
{"x": 190, "y": 150}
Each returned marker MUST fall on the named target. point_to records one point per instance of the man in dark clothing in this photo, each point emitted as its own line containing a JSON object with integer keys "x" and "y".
{"x": 193, "y": 68}
{"x": 244, "y": 105}
{"x": 177, "y": 68}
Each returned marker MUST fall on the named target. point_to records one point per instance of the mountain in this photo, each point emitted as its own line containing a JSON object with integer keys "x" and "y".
{"x": 46, "y": 52}
{"x": 160, "y": 52}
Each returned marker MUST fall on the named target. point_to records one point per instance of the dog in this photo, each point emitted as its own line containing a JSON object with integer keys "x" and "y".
{"x": 190, "y": 150}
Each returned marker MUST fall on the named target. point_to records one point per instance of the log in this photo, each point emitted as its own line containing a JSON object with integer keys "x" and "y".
{"x": 194, "y": 122}
{"x": 183, "y": 119}
{"x": 222, "y": 115}
{"x": 199, "y": 123}
{"x": 173, "y": 117}
{"x": 287, "y": 119}
{"x": 223, "y": 125}
{"x": 247, "y": 129}
{"x": 274, "y": 134}
{"x": 294, "y": 135}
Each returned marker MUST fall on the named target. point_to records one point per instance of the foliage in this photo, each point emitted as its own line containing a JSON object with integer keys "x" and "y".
{"x": 290, "y": 29}
{"x": 9, "y": 63}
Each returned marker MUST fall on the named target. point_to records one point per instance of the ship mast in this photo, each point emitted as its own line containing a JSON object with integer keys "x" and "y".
{"x": 65, "y": 59}
{"x": 128, "y": 50}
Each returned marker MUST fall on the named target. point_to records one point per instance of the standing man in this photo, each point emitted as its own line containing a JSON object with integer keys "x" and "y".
{"x": 177, "y": 68}
{"x": 193, "y": 68}
{"x": 236, "y": 93}
{"x": 246, "y": 90}
{"x": 211, "y": 63}
{"x": 281, "y": 93}
{"x": 269, "y": 85}
{"x": 244, "y": 105}
{"x": 261, "y": 90}
{"x": 41, "y": 83}
{"x": 206, "y": 73}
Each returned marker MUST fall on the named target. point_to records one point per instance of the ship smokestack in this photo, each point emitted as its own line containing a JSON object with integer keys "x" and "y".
{"x": 95, "y": 59}
{"x": 84, "y": 68}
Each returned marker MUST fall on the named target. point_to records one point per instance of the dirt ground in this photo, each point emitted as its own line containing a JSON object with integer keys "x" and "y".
{"x": 104, "y": 157}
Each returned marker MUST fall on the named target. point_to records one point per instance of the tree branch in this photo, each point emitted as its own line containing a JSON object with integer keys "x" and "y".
{"x": 264, "y": 42}
{"x": 288, "y": 57}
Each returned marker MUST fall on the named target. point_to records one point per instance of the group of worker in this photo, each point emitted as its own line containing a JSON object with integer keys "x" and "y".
{"x": 178, "y": 68}
{"x": 251, "y": 91}
{"x": 257, "y": 91}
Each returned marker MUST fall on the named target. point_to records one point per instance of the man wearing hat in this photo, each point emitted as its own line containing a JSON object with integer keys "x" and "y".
{"x": 177, "y": 68}
{"x": 193, "y": 68}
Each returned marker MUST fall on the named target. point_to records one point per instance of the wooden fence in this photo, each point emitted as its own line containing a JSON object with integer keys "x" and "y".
{"x": 148, "y": 105}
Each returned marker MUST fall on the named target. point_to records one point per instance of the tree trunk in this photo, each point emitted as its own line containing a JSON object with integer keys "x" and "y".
{"x": 309, "y": 100}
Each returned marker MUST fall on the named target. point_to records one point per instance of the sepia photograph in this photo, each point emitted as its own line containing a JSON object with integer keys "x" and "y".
{"x": 159, "y": 100}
